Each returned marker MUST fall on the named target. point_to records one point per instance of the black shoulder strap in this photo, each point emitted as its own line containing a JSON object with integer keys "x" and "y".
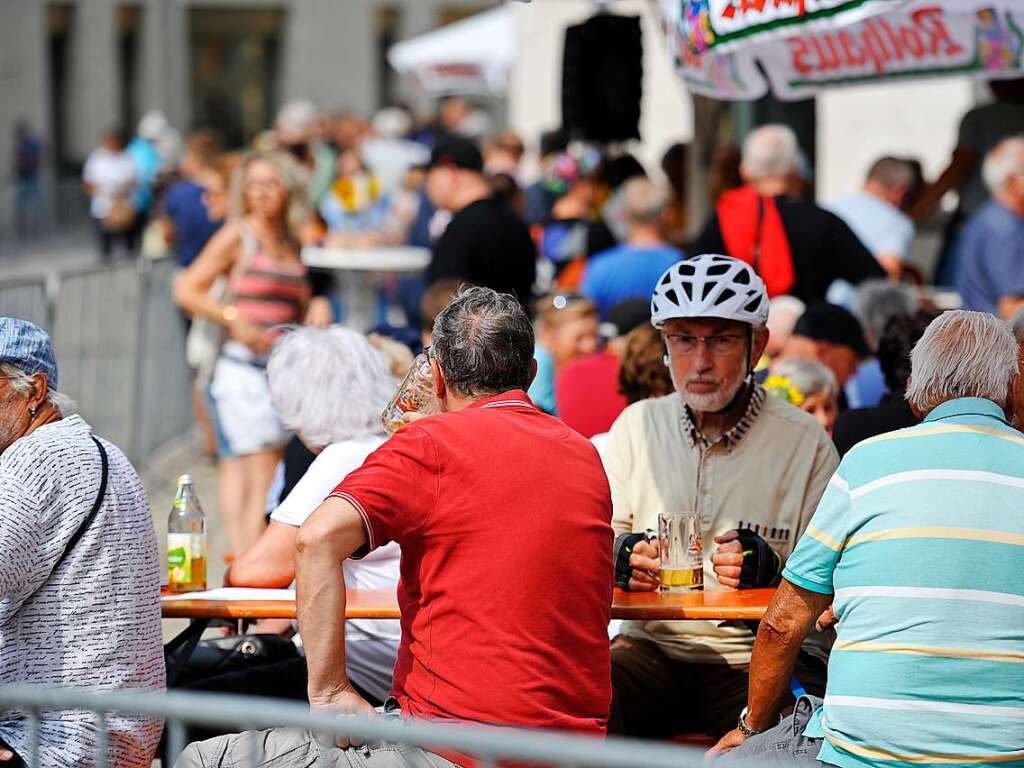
{"x": 95, "y": 507}
{"x": 755, "y": 251}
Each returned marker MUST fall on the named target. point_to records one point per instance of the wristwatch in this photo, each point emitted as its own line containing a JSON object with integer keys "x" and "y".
{"x": 741, "y": 724}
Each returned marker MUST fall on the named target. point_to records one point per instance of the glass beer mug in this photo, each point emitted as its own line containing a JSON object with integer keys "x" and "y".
{"x": 415, "y": 393}
{"x": 682, "y": 552}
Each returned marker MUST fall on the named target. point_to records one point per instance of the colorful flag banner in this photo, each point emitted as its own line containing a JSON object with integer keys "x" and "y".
{"x": 916, "y": 40}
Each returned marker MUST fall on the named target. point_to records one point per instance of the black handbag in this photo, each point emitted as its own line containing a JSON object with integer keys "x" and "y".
{"x": 234, "y": 653}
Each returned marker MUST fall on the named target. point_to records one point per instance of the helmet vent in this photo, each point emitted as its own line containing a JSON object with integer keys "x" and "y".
{"x": 753, "y": 305}
{"x": 725, "y": 295}
{"x": 708, "y": 288}
{"x": 718, "y": 269}
{"x": 742, "y": 277}
{"x": 671, "y": 295}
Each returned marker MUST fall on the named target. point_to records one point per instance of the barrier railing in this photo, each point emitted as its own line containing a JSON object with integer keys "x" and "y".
{"x": 487, "y": 745}
{"x": 56, "y": 208}
{"x": 119, "y": 343}
{"x": 27, "y": 298}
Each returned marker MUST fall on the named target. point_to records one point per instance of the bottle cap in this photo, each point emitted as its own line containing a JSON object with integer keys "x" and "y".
{"x": 184, "y": 479}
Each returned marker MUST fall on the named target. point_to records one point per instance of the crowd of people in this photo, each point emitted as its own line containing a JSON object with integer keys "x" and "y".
{"x": 838, "y": 436}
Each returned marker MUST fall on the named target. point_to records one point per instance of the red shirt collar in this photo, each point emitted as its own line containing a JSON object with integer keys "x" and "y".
{"x": 514, "y": 398}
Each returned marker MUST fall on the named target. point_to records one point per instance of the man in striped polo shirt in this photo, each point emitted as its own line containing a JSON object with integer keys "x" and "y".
{"x": 918, "y": 544}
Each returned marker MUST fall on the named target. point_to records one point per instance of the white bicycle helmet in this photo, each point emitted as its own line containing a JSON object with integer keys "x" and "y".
{"x": 710, "y": 285}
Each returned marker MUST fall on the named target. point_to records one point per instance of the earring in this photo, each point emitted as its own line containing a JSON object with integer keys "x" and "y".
{"x": 665, "y": 361}
{"x": 32, "y": 411}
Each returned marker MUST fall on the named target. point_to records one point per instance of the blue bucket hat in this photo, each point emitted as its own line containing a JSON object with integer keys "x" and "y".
{"x": 27, "y": 347}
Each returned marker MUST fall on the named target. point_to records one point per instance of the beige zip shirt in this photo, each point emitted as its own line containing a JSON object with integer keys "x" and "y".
{"x": 767, "y": 473}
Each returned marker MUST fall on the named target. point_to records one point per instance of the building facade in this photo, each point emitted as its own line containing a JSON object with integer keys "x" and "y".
{"x": 76, "y": 68}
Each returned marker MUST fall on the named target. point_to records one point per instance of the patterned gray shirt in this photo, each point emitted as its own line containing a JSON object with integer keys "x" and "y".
{"x": 92, "y": 623}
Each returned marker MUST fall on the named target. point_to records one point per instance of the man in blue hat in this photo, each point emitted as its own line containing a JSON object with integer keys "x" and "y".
{"x": 79, "y": 565}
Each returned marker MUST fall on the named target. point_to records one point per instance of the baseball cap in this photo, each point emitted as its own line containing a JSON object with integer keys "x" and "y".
{"x": 27, "y": 347}
{"x": 624, "y": 316}
{"x": 832, "y": 323}
{"x": 458, "y": 152}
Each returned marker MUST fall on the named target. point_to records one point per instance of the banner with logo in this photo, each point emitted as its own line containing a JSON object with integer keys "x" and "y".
{"x": 707, "y": 25}
{"x": 714, "y": 74}
{"x": 916, "y": 40}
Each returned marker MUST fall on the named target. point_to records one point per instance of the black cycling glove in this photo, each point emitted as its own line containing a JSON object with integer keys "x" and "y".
{"x": 762, "y": 565}
{"x": 624, "y": 544}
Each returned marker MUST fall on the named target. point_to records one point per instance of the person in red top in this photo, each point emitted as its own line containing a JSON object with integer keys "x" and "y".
{"x": 795, "y": 246}
{"x": 494, "y": 629}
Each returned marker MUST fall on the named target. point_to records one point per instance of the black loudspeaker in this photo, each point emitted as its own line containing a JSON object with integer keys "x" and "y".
{"x": 602, "y": 79}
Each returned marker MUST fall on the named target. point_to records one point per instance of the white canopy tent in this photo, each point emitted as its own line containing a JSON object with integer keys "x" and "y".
{"x": 473, "y": 56}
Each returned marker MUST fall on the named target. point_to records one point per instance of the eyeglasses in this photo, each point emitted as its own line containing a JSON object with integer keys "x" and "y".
{"x": 717, "y": 345}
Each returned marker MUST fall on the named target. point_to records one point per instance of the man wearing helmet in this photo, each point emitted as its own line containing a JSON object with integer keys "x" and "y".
{"x": 753, "y": 467}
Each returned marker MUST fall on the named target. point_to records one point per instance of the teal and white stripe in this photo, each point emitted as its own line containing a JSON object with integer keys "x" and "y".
{"x": 920, "y": 538}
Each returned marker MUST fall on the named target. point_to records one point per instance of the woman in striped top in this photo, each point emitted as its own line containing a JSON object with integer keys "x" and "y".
{"x": 257, "y": 251}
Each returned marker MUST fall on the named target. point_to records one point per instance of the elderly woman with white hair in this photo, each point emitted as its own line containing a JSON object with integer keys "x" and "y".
{"x": 990, "y": 251}
{"x": 809, "y": 385}
{"x": 795, "y": 246}
{"x": 330, "y": 386}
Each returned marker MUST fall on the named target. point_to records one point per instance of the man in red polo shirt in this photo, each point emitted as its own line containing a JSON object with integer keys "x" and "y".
{"x": 494, "y": 629}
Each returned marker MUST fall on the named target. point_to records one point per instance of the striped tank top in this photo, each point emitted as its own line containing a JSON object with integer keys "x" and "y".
{"x": 271, "y": 292}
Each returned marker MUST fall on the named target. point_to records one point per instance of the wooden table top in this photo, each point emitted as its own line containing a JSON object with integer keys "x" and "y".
{"x": 715, "y": 605}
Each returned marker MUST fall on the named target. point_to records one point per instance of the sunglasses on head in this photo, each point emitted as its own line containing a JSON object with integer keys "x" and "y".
{"x": 563, "y": 300}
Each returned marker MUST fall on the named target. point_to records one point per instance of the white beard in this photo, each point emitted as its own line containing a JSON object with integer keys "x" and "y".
{"x": 713, "y": 401}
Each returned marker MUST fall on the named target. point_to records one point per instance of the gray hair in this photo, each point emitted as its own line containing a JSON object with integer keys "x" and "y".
{"x": 891, "y": 172}
{"x": 809, "y": 376}
{"x": 769, "y": 152}
{"x": 22, "y": 382}
{"x": 1006, "y": 160}
{"x": 1016, "y": 324}
{"x": 483, "y": 342}
{"x": 783, "y": 312}
{"x": 329, "y": 385}
{"x": 880, "y": 300}
{"x": 962, "y": 354}
{"x": 643, "y": 201}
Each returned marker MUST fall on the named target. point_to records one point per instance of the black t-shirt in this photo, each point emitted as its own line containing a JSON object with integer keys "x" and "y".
{"x": 823, "y": 247}
{"x": 861, "y": 423}
{"x": 486, "y": 244}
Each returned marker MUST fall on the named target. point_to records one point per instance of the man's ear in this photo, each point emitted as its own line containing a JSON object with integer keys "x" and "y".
{"x": 533, "y": 372}
{"x": 40, "y": 386}
{"x": 440, "y": 387}
{"x": 761, "y": 337}
{"x": 916, "y": 411}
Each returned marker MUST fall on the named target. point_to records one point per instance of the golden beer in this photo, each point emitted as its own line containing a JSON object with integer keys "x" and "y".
{"x": 680, "y": 579}
{"x": 681, "y": 550}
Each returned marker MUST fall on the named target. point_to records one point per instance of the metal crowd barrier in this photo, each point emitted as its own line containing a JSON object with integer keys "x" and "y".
{"x": 120, "y": 346}
{"x": 487, "y": 745}
{"x": 60, "y": 209}
{"x": 27, "y": 298}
